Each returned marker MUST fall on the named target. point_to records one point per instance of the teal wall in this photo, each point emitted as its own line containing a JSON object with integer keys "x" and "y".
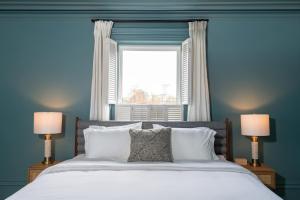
{"x": 46, "y": 65}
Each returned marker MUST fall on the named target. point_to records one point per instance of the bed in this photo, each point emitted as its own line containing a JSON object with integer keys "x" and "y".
{"x": 83, "y": 178}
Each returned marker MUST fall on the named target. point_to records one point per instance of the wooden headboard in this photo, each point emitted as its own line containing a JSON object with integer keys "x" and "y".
{"x": 223, "y": 141}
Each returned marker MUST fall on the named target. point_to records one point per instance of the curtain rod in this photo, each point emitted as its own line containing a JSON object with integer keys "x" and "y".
{"x": 150, "y": 21}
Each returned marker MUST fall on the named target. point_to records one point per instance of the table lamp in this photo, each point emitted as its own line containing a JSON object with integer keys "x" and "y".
{"x": 255, "y": 125}
{"x": 47, "y": 123}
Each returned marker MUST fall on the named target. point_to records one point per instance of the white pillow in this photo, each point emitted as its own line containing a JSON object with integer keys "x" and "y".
{"x": 107, "y": 144}
{"x": 221, "y": 157}
{"x": 92, "y": 149}
{"x": 128, "y": 126}
{"x": 192, "y": 144}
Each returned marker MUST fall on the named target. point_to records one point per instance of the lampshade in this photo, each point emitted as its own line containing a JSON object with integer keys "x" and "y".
{"x": 47, "y": 122}
{"x": 255, "y": 125}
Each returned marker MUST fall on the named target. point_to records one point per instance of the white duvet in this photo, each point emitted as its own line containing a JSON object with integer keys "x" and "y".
{"x": 86, "y": 179}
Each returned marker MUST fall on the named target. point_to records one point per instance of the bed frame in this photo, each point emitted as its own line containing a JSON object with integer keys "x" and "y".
{"x": 223, "y": 141}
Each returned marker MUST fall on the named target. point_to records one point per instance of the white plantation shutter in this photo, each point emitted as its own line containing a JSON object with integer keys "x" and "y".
{"x": 122, "y": 113}
{"x": 148, "y": 112}
{"x": 112, "y": 70}
{"x": 175, "y": 113}
{"x": 185, "y": 79}
{"x": 158, "y": 113}
{"x": 139, "y": 113}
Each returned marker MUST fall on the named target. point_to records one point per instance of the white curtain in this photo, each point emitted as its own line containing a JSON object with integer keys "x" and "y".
{"x": 199, "y": 108}
{"x": 99, "y": 93}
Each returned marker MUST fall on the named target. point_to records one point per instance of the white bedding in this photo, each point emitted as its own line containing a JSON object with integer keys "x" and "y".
{"x": 87, "y": 179}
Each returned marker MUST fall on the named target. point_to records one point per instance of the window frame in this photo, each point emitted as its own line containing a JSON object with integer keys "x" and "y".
{"x": 121, "y": 48}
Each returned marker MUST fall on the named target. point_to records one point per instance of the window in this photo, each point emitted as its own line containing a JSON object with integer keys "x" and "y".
{"x": 149, "y": 75}
{"x": 149, "y": 83}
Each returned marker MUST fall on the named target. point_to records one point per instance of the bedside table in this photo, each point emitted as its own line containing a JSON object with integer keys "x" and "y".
{"x": 35, "y": 169}
{"x": 266, "y": 174}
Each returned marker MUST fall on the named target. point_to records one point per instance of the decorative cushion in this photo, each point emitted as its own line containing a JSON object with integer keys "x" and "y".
{"x": 150, "y": 145}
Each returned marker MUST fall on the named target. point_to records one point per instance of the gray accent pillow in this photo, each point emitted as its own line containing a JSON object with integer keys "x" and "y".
{"x": 150, "y": 145}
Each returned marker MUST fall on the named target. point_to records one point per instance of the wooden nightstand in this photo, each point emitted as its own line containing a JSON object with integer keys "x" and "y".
{"x": 35, "y": 169}
{"x": 266, "y": 174}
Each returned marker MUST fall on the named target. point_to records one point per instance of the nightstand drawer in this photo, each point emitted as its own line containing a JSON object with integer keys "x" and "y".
{"x": 35, "y": 169}
{"x": 267, "y": 178}
{"x": 33, "y": 174}
{"x": 266, "y": 174}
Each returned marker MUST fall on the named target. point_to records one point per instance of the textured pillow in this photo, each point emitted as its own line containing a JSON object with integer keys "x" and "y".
{"x": 150, "y": 145}
{"x": 192, "y": 144}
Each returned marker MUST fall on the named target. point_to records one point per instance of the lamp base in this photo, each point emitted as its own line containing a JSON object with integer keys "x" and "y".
{"x": 48, "y": 160}
{"x": 254, "y": 147}
{"x": 255, "y": 163}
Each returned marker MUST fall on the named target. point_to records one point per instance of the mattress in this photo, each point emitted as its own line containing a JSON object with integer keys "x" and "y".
{"x": 82, "y": 178}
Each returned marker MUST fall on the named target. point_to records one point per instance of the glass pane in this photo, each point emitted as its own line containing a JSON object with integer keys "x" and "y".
{"x": 149, "y": 77}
